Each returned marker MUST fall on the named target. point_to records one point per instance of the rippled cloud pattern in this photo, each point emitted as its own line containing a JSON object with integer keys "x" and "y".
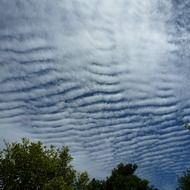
{"x": 108, "y": 78}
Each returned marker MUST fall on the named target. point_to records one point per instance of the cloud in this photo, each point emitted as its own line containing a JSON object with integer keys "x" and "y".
{"x": 107, "y": 78}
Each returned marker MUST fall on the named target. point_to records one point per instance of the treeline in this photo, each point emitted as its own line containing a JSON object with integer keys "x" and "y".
{"x": 33, "y": 166}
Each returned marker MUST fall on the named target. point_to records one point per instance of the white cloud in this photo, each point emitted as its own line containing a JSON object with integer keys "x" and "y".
{"x": 108, "y": 78}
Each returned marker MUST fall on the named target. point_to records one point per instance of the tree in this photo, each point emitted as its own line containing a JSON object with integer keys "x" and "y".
{"x": 82, "y": 181}
{"x": 57, "y": 183}
{"x": 184, "y": 181}
{"x": 96, "y": 185}
{"x": 32, "y": 166}
{"x": 123, "y": 178}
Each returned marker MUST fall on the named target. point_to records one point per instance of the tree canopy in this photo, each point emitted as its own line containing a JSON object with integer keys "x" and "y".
{"x": 122, "y": 178}
{"x": 30, "y": 165}
{"x": 33, "y": 166}
{"x": 184, "y": 181}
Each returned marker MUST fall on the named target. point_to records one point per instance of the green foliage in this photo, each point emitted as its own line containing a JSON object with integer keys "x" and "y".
{"x": 187, "y": 126}
{"x": 57, "y": 183}
{"x": 123, "y": 178}
{"x": 184, "y": 181}
{"x": 82, "y": 181}
{"x": 30, "y": 166}
{"x": 97, "y": 185}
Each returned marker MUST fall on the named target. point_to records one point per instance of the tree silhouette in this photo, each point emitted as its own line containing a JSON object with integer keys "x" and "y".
{"x": 123, "y": 178}
{"x": 184, "y": 181}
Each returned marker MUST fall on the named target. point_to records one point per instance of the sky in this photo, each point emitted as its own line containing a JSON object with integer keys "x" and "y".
{"x": 108, "y": 78}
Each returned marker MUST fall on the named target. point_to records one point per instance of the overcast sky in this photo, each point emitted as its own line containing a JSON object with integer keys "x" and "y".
{"x": 108, "y": 78}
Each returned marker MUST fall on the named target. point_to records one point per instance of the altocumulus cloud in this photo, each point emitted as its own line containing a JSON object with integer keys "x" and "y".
{"x": 108, "y": 78}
